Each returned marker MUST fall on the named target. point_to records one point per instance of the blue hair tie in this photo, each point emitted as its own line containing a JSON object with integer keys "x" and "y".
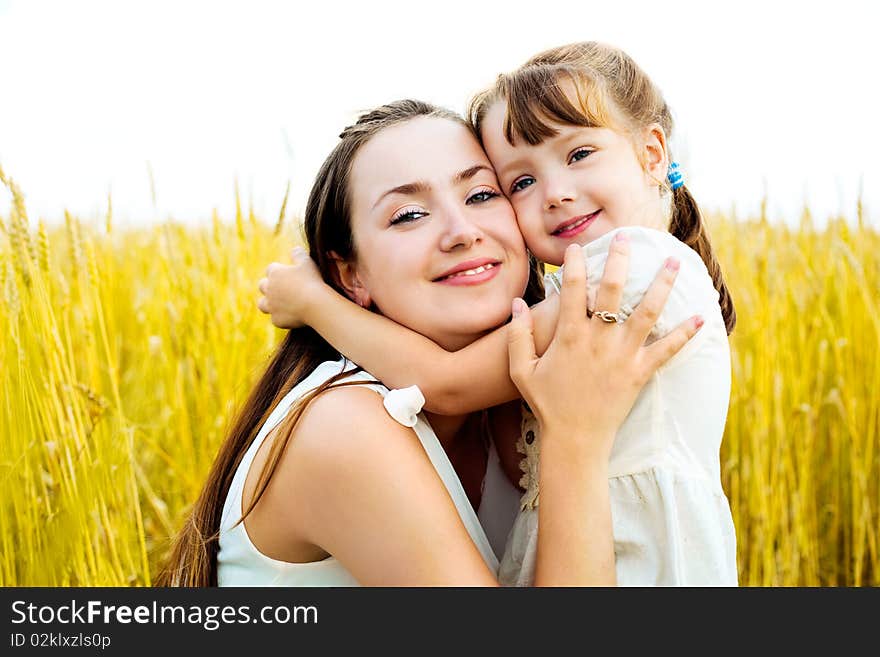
{"x": 674, "y": 176}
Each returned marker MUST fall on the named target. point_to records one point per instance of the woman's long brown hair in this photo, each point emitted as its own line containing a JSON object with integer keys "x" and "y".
{"x": 612, "y": 92}
{"x": 327, "y": 226}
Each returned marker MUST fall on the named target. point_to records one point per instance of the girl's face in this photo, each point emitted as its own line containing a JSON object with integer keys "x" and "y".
{"x": 437, "y": 245}
{"x": 577, "y": 185}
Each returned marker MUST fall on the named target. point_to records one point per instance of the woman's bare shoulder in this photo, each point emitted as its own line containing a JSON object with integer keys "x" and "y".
{"x": 345, "y": 424}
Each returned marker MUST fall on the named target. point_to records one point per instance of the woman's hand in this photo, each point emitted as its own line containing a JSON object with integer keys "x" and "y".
{"x": 580, "y": 390}
{"x": 290, "y": 291}
{"x": 592, "y": 372}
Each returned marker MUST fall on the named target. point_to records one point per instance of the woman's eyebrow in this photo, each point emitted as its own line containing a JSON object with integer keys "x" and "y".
{"x": 420, "y": 186}
{"x": 470, "y": 172}
{"x": 417, "y": 187}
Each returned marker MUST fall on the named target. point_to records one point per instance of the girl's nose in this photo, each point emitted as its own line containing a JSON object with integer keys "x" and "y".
{"x": 557, "y": 194}
{"x": 459, "y": 231}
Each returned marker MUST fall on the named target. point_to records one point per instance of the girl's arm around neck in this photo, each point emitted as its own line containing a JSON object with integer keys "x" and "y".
{"x": 453, "y": 383}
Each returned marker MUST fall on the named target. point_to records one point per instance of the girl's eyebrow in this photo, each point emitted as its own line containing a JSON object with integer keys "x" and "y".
{"x": 564, "y": 135}
{"x": 516, "y": 164}
{"x": 420, "y": 186}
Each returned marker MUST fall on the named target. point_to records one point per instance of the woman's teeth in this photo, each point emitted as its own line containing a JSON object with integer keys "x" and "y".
{"x": 472, "y": 272}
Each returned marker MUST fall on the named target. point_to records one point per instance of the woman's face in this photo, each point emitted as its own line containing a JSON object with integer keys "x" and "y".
{"x": 437, "y": 244}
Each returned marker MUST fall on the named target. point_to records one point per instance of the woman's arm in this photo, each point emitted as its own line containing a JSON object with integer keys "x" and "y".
{"x": 578, "y": 425}
{"x": 295, "y": 295}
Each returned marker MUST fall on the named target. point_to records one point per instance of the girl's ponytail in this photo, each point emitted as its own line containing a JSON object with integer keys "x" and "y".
{"x": 687, "y": 226}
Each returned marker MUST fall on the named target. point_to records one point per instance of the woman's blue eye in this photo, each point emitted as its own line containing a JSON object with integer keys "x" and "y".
{"x": 481, "y": 197}
{"x": 580, "y": 154}
{"x": 408, "y": 216}
{"x": 521, "y": 184}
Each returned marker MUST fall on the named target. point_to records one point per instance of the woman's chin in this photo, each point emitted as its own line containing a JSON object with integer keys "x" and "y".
{"x": 453, "y": 322}
{"x": 477, "y": 324}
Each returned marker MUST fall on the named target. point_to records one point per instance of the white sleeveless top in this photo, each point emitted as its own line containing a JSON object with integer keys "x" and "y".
{"x": 240, "y": 563}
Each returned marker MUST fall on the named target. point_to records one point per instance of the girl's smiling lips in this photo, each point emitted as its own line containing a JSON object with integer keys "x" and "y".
{"x": 470, "y": 272}
{"x": 575, "y": 225}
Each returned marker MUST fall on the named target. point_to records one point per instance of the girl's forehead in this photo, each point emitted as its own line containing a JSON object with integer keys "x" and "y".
{"x": 495, "y": 124}
{"x": 557, "y": 105}
{"x": 500, "y": 149}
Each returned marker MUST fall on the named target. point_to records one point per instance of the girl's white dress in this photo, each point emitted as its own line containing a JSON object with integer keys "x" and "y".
{"x": 671, "y": 518}
{"x": 240, "y": 563}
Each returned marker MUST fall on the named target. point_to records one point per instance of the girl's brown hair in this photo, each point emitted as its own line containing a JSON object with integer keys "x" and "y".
{"x": 610, "y": 91}
{"x": 327, "y": 227}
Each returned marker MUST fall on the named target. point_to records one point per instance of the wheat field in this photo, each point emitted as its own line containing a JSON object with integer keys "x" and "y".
{"x": 123, "y": 355}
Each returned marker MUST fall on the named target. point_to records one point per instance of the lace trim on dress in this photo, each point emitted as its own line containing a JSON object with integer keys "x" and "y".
{"x": 528, "y": 445}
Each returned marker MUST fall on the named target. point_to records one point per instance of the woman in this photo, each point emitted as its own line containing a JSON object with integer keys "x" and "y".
{"x": 322, "y": 481}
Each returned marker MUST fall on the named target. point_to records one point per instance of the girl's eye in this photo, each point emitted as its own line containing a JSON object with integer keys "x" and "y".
{"x": 580, "y": 154}
{"x": 521, "y": 184}
{"x": 406, "y": 215}
{"x": 481, "y": 196}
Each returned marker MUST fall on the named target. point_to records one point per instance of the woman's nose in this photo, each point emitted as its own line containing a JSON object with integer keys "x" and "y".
{"x": 459, "y": 231}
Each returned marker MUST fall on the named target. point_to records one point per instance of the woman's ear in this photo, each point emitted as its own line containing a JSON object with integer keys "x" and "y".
{"x": 346, "y": 275}
{"x": 655, "y": 152}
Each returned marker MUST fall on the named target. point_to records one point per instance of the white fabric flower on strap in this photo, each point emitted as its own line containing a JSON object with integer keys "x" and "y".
{"x": 404, "y": 404}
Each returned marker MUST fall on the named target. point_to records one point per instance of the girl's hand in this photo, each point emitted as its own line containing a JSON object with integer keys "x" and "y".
{"x": 592, "y": 372}
{"x": 290, "y": 291}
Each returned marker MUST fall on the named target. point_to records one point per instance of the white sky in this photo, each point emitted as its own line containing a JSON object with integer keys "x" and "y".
{"x": 97, "y": 93}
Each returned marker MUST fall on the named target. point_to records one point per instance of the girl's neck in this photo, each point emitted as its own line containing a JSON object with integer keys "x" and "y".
{"x": 654, "y": 221}
{"x": 656, "y": 213}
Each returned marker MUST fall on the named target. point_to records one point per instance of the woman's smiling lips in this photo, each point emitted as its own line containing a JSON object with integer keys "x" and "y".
{"x": 470, "y": 272}
{"x": 575, "y": 225}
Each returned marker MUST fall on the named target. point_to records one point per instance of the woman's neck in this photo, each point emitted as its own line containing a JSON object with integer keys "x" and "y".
{"x": 455, "y": 342}
{"x": 462, "y": 440}
{"x": 446, "y": 427}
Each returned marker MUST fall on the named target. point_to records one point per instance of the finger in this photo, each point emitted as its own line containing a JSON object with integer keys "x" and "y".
{"x": 648, "y": 311}
{"x": 521, "y": 343}
{"x": 614, "y": 276}
{"x": 261, "y": 286}
{"x": 297, "y": 253}
{"x": 263, "y": 305}
{"x": 665, "y": 348}
{"x": 573, "y": 296}
{"x": 272, "y": 267}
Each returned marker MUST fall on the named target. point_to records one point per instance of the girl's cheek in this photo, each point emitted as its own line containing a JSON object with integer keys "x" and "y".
{"x": 530, "y": 225}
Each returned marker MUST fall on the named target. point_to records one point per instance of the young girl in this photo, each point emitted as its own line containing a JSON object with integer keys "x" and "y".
{"x": 578, "y": 139}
